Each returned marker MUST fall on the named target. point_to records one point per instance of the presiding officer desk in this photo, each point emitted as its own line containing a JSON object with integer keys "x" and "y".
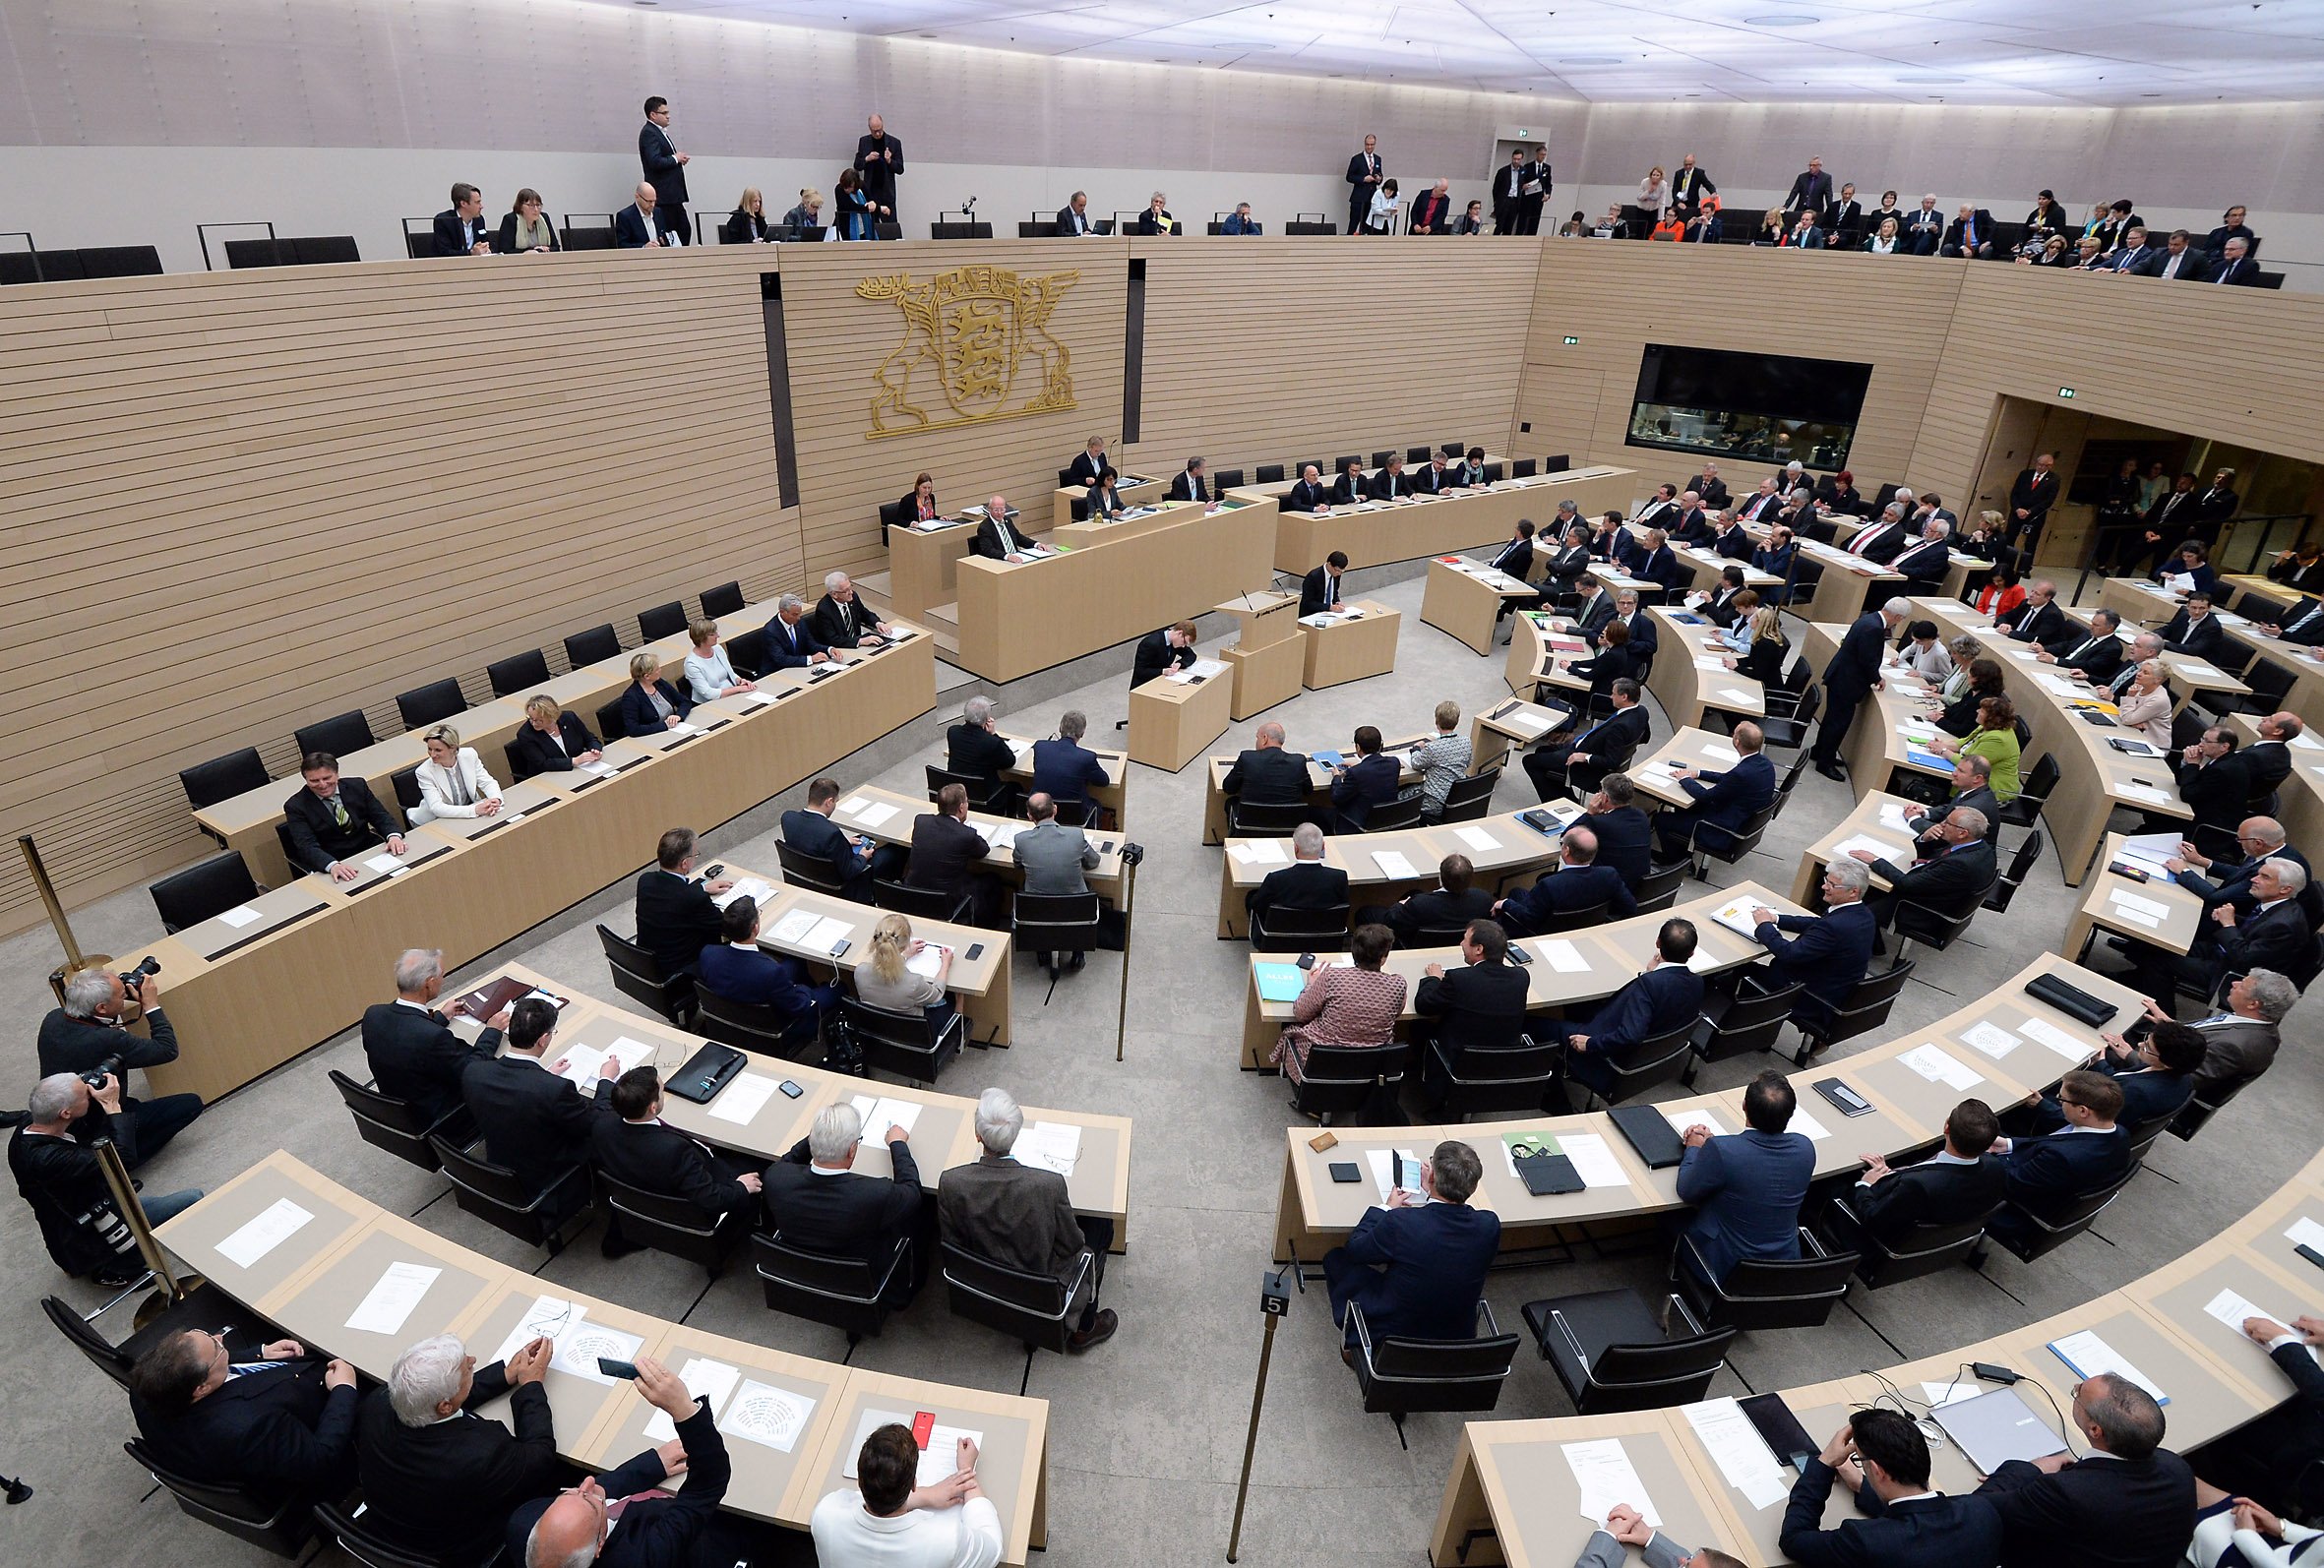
{"x": 1373, "y": 533}
{"x": 248, "y": 996}
{"x": 318, "y": 1284}
{"x": 1512, "y": 1497}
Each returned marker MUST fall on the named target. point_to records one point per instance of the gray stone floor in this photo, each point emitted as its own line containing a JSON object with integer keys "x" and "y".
{"x": 1146, "y": 1434}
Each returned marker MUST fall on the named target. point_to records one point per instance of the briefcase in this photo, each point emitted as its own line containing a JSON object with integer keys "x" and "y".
{"x": 1650, "y": 1133}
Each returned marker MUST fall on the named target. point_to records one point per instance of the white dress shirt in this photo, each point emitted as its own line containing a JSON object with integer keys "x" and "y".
{"x": 848, "y": 1536}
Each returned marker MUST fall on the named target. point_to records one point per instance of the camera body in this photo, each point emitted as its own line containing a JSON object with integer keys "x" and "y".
{"x": 111, "y": 1067}
{"x": 132, "y": 978}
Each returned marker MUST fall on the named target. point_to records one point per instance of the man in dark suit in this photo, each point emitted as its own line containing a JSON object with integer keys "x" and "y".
{"x": 1828, "y": 952}
{"x": 2268, "y": 760}
{"x": 1921, "y": 228}
{"x": 879, "y": 159}
{"x": 1191, "y": 482}
{"x": 460, "y": 229}
{"x": 2302, "y": 625}
{"x": 664, "y": 167}
{"x": 2091, "y": 1150}
{"x": 1693, "y": 525}
{"x": 842, "y": 620}
{"x": 813, "y": 832}
{"x": 2097, "y": 653}
{"x": 1536, "y": 174}
{"x": 1960, "y": 1182}
{"x": 1724, "y": 799}
{"x": 1971, "y": 233}
{"x": 1508, "y": 187}
{"x": 2129, "y": 1504}
{"x": 1569, "y": 561}
{"x": 2039, "y": 621}
{"x": 1090, "y": 462}
{"x": 1361, "y": 787}
{"x": 1351, "y": 487}
{"x": 634, "y": 1148}
{"x": 1064, "y": 769}
{"x": 659, "y": 1528}
{"x": 2175, "y": 516}
{"x": 2195, "y": 630}
{"x": 975, "y": 748}
{"x": 739, "y": 970}
{"x": 1453, "y": 901}
{"x": 1733, "y": 542}
{"x": 1957, "y": 874}
{"x": 1854, "y": 675}
{"x": 1581, "y": 754}
{"x": 1310, "y": 494}
{"x": 2156, "y": 1076}
{"x": 1306, "y": 883}
{"x": 1020, "y": 1216}
{"x": 1432, "y": 210}
{"x": 2264, "y": 1459}
{"x": 1576, "y": 882}
{"x": 2213, "y": 781}
{"x": 1811, "y": 190}
{"x": 1159, "y": 653}
{"x": 1480, "y": 1005}
{"x": 1972, "y": 788}
{"x": 2259, "y": 839}
{"x": 791, "y": 643}
{"x": 1842, "y": 221}
{"x": 334, "y": 818}
{"x": 535, "y": 1121}
{"x": 2032, "y": 496}
{"x": 1434, "y": 478}
{"x": 273, "y": 1420}
{"x": 2235, "y": 265}
{"x": 1710, "y": 487}
{"x": 2273, "y": 935}
{"x": 1268, "y": 774}
{"x": 1072, "y": 221}
{"x": 1923, "y": 562}
{"x": 2180, "y": 257}
{"x": 1883, "y": 539}
{"x": 677, "y": 916}
{"x": 1364, "y": 173}
{"x": 1515, "y": 558}
{"x": 1416, "y": 1268}
{"x": 944, "y": 848}
{"x": 1661, "y": 565}
{"x": 998, "y": 538}
{"x": 1746, "y": 1190}
{"x": 817, "y": 1201}
{"x": 1390, "y": 484}
{"x": 413, "y": 1053}
{"x": 443, "y": 1486}
{"x": 1803, "y": 235}
{"x": 1668, "y": 992}
{"x": 1318, "y": 590}
{"x": 645, "y": 223}
{"x": 1882, "y": 1456}
{"x": 1625, "y": 835}
{"x": 1592, "y": 608}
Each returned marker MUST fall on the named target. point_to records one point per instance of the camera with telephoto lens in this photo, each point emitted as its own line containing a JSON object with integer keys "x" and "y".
{"x": 132, "y": 978}
{"x": 111, "y": 1067}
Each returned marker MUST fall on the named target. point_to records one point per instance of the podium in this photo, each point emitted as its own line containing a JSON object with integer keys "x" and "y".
{"x": 1173, "y": 721}
{"x": 1270, "y": 656}
{"x": 1359, "y": 641}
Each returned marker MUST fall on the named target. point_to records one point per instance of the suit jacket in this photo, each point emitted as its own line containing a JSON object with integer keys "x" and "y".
{"x": 1013, "y": 1214}
{"x": 1591, "y": 618}
{"x": 656, "y": 1159}
{"x": 630, "y": 227}
{"x": 755, "y": 977}
{"x": 1430, "y": 211}
{"x": 637, "y": 715}
{"x": 1368, "y": 782}
{"x": 1830, "y": 952}
{"x": 2302, "y": 624}
{"x": 655, "y": 1531}
{"x": 1624, "y": 840}
{"x": 1777, "y": 562}
{"x": 1566, "y": 564}
{"x": 441, "y": 787}
{"x": 279, "y": 1432}
{"x": 657, "y": 155}
{"x": 977, "y": 752}
{"x": 1981, "y": 799}
{"x": 1920, "y": 1533}
{"x": 2277, "y": 937}
{"x": 1610, "y": 666}
{"x": 1070, "y": 222}
{"x": 2229, "y": 882}
{"x": 1695, "y": 528}
{"x": 1303, "y": 884}
{"x": 504, "y": 240}
{"x": 1809, "y": 238}
{"x": 1976, "y": 233}
{"x": 2236, "y": 1049}
{"x": 416, "y": 1058}
{"x": 1844, "y": 221}
{"x": 1514, "y": 557}
{"x": 2036, "y": 623}
{"x": 1435, "y": 910}
{"x": 1435, "y": 1256}
{"x": 2268, "y": 763}
{"x": 1923, "y": 562}
{"x": 1921, "y": 231}
{"x": 997, "y": 539}
{"x": 879, "y": 179}
{"x": 1657, "y": 1002}
{"x": 2242, "y": 272}
{"x": 848, "y": 1216}
{"x": 446, "y": 1489}
{"x": 1360, "y": 166}
{"x": 534, "y": 1122}
{"x": 2095, "y": 1513}
{"x": 533, "y": 751}
{"x": 1317, "y": 590}
{"x": 1730, "y": 799}
{"x": 1476, "y": 1005}
{"x": 2044, "y": 1173}
{"x": 1934, "y": 1193}
{"x": 1614, "y": 740}
{"x": 1387, "y": 485}
{"x": 814, "y": 833}
{"x": 676, "y": 919}
{"x": 1189, "y": 486}
{"x": 2096, "y": 656}
{"x": 1602, "y": 1550}
{"x": 1880, "y": 542}
{"x": 1747, "y": 1190}
{"x": 1053, "y": 858}
{"x": 1150, "y": 222}
{"x": 1267, "y": 776}
{"x": 453, "y": 235}
{"x": 1155, "y": 656}
{"x": 792, "y": 648}
{"x": 1306, "y": 497}
{"x": 1811, "y": 190}
{"x": 318, "y": 842}
{"x": 1569, "y": 888}
{"x": 1066, "y": 770}
{"x": 1350, "y": 488}
{"x": 944, "y": 850}
{"x": 2034, "y": 492}
{"x": 2217, "y": 791}
{"x": 1857, "y": 664}
{"x": 2201, "y": 639}
{"x": 1949, "y": 884}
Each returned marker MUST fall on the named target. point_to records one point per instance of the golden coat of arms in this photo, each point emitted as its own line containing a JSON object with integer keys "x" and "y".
{"x": 977, "y": 326}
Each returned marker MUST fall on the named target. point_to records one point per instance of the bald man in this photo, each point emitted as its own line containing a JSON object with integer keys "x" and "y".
{"x": 996, "y": 538}
{"x": 645, "y": 224}
{"x": 659, "y": 1528}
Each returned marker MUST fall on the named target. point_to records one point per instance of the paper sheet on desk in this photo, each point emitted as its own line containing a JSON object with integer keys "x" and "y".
{"x": 2156, "y": 847}
{"x": 1991, "y": 1039}
{"x": 1939, "y": 1395}
{"x": 743, "y": 1098}
{"x": 773, "y": 1417}
{"x": 704, "y": 1378}
{"x": 2139, "y": 790}
{"x": 1939, "y": 1065}
{"x": 938, "y": 1461}
{"x": 927, "y": 960}
{"x": 2231, "y": 1309}
{"x": 875, "y": 813}
{"x": 258, "y": 1236}
{"x": 2306, "y": 1232}
{"x": 1710, "y": 664}
{"x": 1384, "y": 1172}
{"x": 1394, "y": 865}
{"x": 1804, "y": 1124}
{"x": 828, "y": 933}
{"x": 1895, "y": 816}
{"x": 794, "y": 927}
{"x": 1721, "y": 754}
{"x": 882, "y": 1112}
{"x": 1564, "y": 958}
{"x": 241, "y": 916}
{"x": 2086, "y": 1356}
{"x": 1258, "y": 852}
{"x": 1681, "y": 1117}
{"x": 392, "y": 1298}
{"x": 1603, "y": 1472}
{"x": 1880, "y": 847}
{"x": 2047, "y": 1033}
{"x": 1048, "y": 1146}
{"x": 1737, "y": 1448}
{"x": 383, "y": 864}
{"x": 1477, "y": 839}
{"x": 754, "y": 888}
{"x": 1729, "y": 693}
{"x": 580, "y": 1064}
{"x": 1525, "y": 722}
{"x": 1592, "y": 1159}
{"x": 854, "y": 806}
{"x": 1736, "y": 915}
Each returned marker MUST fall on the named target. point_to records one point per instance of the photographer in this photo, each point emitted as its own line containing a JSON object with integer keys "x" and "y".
{"x": 87, "y": 1038}
{"x": 56, "y": 1169}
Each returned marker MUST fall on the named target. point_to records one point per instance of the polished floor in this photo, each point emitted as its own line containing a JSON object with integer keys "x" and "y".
{"x": 1146, "y": 1432}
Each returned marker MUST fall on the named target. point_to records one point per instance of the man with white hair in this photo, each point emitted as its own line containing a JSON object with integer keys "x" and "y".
{"x": 1020, "y": 1216}
{"x": 87, "y": 1033}
{"x": 818, "y": 1202}
{"x": 843, "y": 621}
{"x": 2272, "y": 933}
{"x": 1306, "y": 883}
{"x": 439, "y": 1486}
{"x": 1268, "y": 774}
{"x": 996, "y": 538}
{"x": 1956, "y": 876}
{"x": 659, "y": 1528}
{"x": 1828, "y": 953}
{"x": 791, "y": 642}
{"x": 415, "y": 1055}
{"x": 54, "y": 1160}
{"x": 1854, "y": 675}
{"x": 975, "y": 749}
{"x": 1924, "y": 563}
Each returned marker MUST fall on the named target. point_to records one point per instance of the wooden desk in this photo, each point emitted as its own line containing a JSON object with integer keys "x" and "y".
{"x": 1505, "y": 726}
{"x": 1467, "y": 599}
{"x": 1705, "y": 751}
{"x": 257, "y": 1006}
{"x": 886, "y": 817}
{"x": 1113, "y": 794}
{"x": 1121, "y": 581}
{"x": 1133, "y": 490}
{"x": 1380, "y": 532}
{"x": 1849, "y": 586}
{"x": 2116, "y": 903}
{"x": 1877, "y": 819}
{"x": 1691, "y": 675}
{"x": 1268, "y": 655}
{"x": 1214, "y": 792}
{"x": 1174, "y": 717}
{"x": 924, "y": 564}
{"x": 1013, "y": 1454}
{"x": 1874, "y": 749}
{"x": 1360, "y": 643}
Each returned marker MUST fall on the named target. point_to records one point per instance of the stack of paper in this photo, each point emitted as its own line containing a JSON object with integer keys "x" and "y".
{"x": 1736, "y": 915}
{"x": 1607, "y": 1479}
{"x": 1681, "y": 1117}
{"x": 704, "y": 1378}
{"x": 752, "y": 888}
{"x": 1477, "y": 839}
{"x": 579, "y": 1064}
{"x": 2136, "y": 910}
{"x": 927, "y": 960}
{"x": 1257, "y": 851}
{"x": 1048, "y": 1146}
{"x": 1394, "y": 865}
{"x": 1939, "y": 1065}
{"x": 878, "y": 1114}
{"x": 1741, "y": 1453}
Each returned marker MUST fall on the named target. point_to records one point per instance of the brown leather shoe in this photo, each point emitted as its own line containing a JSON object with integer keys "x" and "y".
{"x": 1100, "y": 1329}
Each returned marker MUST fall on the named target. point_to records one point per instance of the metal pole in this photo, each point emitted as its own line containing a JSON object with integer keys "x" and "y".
{"x": 133, "y": 1215}
{"x": 1258, "y": 1396}
{"x": 1131, "y": 856}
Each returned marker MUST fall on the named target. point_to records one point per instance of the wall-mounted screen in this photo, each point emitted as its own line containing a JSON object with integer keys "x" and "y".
{"x": 1771, "y": 407}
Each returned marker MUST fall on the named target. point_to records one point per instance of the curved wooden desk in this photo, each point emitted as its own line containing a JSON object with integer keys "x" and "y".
{"x": 1376, "y": 533}
{"x": 1690, "y": 676}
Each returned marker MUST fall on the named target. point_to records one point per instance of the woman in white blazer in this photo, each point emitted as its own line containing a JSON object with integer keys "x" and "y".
{"x": 708, "y": 671}
{"x": 452, "y": 781}
{"x": 2146, "y": 706}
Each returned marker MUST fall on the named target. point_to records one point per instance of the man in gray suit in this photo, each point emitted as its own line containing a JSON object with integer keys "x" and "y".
{"x": 1625, "y": 1527}
{"x": 1020, "y": 1216}
{"x": 2241, "y": 1044}
{"x": 1053, "y": 858}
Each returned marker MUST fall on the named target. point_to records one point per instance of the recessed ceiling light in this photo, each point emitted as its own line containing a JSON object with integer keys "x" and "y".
{"x": 1785, "y": 20}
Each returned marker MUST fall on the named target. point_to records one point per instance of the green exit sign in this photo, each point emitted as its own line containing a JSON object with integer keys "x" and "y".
{"x": 2066, "y": 392}
{"x": 1571, "y": 342}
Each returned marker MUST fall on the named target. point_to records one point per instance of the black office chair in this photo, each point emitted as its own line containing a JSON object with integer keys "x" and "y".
{"x": 404, "y": 783}
{"x": 2048, "y": 1232}
{"x": 638, "y": 975}
{"x": 748, "y": 652}
{"x": 361, "y": 1546}
{"x": 1524, "y": 467}
{"x": 1379, "y": 458}
{"x": 2033, "y": 792}
{"x": 280, "y": 1525}
{"x": 1226, "y": 479}
{"x": 1460, "y": 1081}
{"x": 1936, "y": 927}
{"x": 724, "y": 599}
{"x": 1339, "y": 465}
{"x": 1612, "y": 1354}
{"x": 1417, "y": 454}
{"x": 1394, "y": 817}
{"x": 815, "y": 873}
{"x": 1056, "y": 924}
{"x": 1865, "y": 1006}
{"x": 1658, "y": 1059}
{"x": 2014, "y": 875}
{"x": 492, "y": 1193}
{"x": 2141, "y": 1135}
{"x": 1470, "y": 798}
{"x": 998, "y": 798}
{"x": 1300, "y": 930}
{"x": 1269, "y": 473}
{"x": 224, "y": 779}
{"x": 1791, "y": 732}
{"x": 893, "y": 515}
{"x": 752, "y": 1026}
{"x": 1400, "y": 1375}
{"x": 349, "y": 732}
{"x": 1582, "y": 919}
{"x": 593, "y": 647}
{"x": 661, "y": 621}
{"x": 1706, "y": 843}
{"x": 1341, "y": 1080}
{"x": 1787, "y": 785}
{"x": 675, "y": 1224}
{"x": 522, "y": 671}
{"x": 609, "y": 720}
{"x": 1766, "y": 1293}
{"x": 923, "y": 903}
{"x": 387, "y": 1122}
{"x": 850, "y": 1295}
{"x": 1659, "y": 889}
{"x": 203, "y": 890}
{"x": 1036, "y": 1310}
{"x": 1916, "y": 1252}
{"x": 907, "y": 1044}
{"x": 2198, "y": 1110}
{"x": 1264, "y": 820}
{"x": 1748, "y": 1022}
{"x": 432, "y": 704}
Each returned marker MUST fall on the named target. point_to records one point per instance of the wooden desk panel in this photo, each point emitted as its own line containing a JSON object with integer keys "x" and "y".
{"x": 1013, "y": 1461}
{"x": 1378, "y": 533}
{"x": 1351, "y": 649}
{"x": 1466, "y": 601}
{"x": 1172, "y": 721}
{"x": 924, "y": 565}
{"x": 1683, "y": 683}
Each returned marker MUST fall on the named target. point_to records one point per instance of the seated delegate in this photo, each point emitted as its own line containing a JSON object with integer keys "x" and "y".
{"x": 1307, "y": 883}
{"x": 739, "y": 970}
{"x": 1064, "y": 769}
{"x": 335, "y": 819}
{"x": 552, "y": 739}
{"x": 650, "y": 705}
{"x": 1267, "y": 774}
{"x": 1415, "y": 1266}
{"x": 1022, "y": 1217}
{"x": 527, "y": 229}
{"x": 709, "y": 673}
{"x": 791, "y": 642}
{"x": 535, "y": 1120}
{"x": 634, "y": 1148}
{"x": 452, "y": 782}
{"x": 1668, "y": 992}
{"x": 1747, "y": 1187}
{"x": 843, "y": 621}
{"x": 271, "y": 1420}
{"x": 1356, "y": 1004}
{"x": 854, "y": 859}
{"x": 677, "y": 916}
{"x": 443, "y": 1486}
{"x": 885, "y": 979}
{"x": 408, "y": 1043}
{"x": 818, "y": 1202}
{"x": 889, "y": 1518}
{"x": 1575, "y": 886}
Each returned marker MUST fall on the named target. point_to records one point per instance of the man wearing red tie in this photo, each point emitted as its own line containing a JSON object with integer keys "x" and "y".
{"x": 1763, "y": 506}
{"x": 2030, "y": 501}
{"x": 1883, "y": 541}
{"x": 1363, "y": 177}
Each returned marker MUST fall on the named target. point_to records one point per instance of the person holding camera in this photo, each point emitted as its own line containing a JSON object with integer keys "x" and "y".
{"x": 53, "y": 1157}
{"x": 87, "y": 1039}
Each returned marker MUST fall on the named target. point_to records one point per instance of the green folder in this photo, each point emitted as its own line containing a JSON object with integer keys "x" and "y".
{"x": 1279, "y": 981}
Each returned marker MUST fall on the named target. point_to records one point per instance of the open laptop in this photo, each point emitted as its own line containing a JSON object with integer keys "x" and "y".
{"x": 1991, "y": 1429}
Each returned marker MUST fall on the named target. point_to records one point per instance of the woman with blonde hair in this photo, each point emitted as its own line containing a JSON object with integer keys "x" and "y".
{"x": 651, "y": 705}
{"x": 452, "y": 781}
{"x": 748, "y": 224}
{"x": 1763, "y": 660}
{"x": 1654, "y": 191}
{"x": 550, "y": 740}
{"x": 886, "y": 980}
{"x": 2146, "y": 706}
{"x": 807, "y": 214}
{"x": 709, "y": 673}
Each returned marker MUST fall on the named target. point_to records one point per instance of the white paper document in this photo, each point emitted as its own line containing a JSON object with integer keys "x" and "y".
{"x": 2044, "y": 1033}
{"x": 884, "y": 1112}
{"x": 1940, "y": 1066}
{"x": 548, "y": 1317}
{"x": 828, "y": 933}
{"x": 1681, "y": 1117}
{"x": 1048, "y": 1146}
{"x": 938, "y": 1461}
{"x": 580, "y": 1064}
{"x": 704, "y": 1378}
{"x": 1942, "y": 1394}
{"x": 754, "y": 888}
{"x": 2138, "y": 918}
{"x": 383, "y": 864}
{"x": 1991, "y": 1039}
{"x": 1526, "y": 722}
{"x": 873, "y": 815}
{"x": 2132, "y": 901}
{"x": 2088, "y": 1355}
{"x": 1893, "y": 816}
{"x": 1394, "y": 865}
{"x": 927, "y": 960}
{"x": 794, "y": 927}
{"x": 746, "y": 1094}
{"x": 1721, "y": 754}
{"x": 2231, "y": 1309}
{"x": 389, "y": 1301}
{"x": 2306, "y": 1232}
{"x": 1258, "y": 851}
{"x": 1710, "y": 664}
{"x": 1592, "y": 1159}
{"x": 241, "y": 916}
{"x": 1607, "y": 1478}
{"x": 1803, "y": 1122}
{"x": 773, "y": 1417}
{"x": 258, "y": 1236}
{"x": 1736, "y": 915}
{"x": 1737, "y": 1448}
{"x": 1564, "y": 956}
{"x": 1865, "y": 841}
{"x": 1384, "y": 1163}
{"x": 1477, "y": 839}
{"x": 855, "y": 806}
{"x": 1741, "y": 698}
{"x": 580, "y": 1345}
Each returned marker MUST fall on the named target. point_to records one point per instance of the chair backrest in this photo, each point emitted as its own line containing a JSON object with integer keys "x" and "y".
{"x": 745, "y": 1025}
{"x": 223, "y": 778}
{"x": 1867, "y": 1004}
{"x": 670, "y": 1223}
{"x": 387, "y": 1122}
{"x": 1393, "y": 815}
{"x": 923, "y": 903}
{"x": 1045, "y": 920}
{"x": 1471, "y": 797}
{"x": 205, "y": 888}
{"x": 1524, "y": 467}
{"x": 1340, "y": 463}
{"x": 1032, "y": 1307}
{"x": 982, "y": 797}
{"x": 1650, "y": 1060}
{"x": 1768, "y": 1292}
{"x": 1226, "y": 479}
{"x": 346, "y": 731}
{"x": 2039, "y": 779}
{"x": 1415, "y": 454}
{"x": 593, "y": 647}
{"x": 1401, "y": 1376}
{"x": 432, "y": 704}
{"x": 358, "y": 1544}
{"x": 1577, "y": 919}
{"x": 661, "y": 621}
{"x": 801, "y": 870}
{"x": 747, "y": 652}
{"x": 2269, "y": 682}
{"x": 907, "y": 1044}
{"x": 494, "y": 1193}
{"x": 1750, "y": 1022}
{"x": 1789, "y": 782}
{"x": 280, "y": 1525}
{"x": 2021, "y": 864}
{"x": 639, "y": 975}
{"x": 1281, "y": 930}
{"x": 1379, "y": 458}
{"x": 521, "y": 672}
{"x": 1654, "y": 1375}
{"x": 724, "y": 599}
{"x": 1265, "y": 819}
{"x": 1938, "y": 927}
{"x": 107, "y": 1357}
{"x": 845, "y": 1293}
{"x": 1919, "y": 1251}
{"x": 405, "y": 781}
{"x": 1659, "y": 890}
{"x": 1503, "y": 1078}
{"x": 120, "y": 261}
{"x": 1271, "y": 474}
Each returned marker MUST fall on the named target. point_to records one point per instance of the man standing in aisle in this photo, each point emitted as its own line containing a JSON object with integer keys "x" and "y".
{"x": 1854, "y": 675}
{"x": 666, "y": 167}
{"x": 1508, "y": 192}
{"x": 1364, "y": 173}
{"x": 1534, "y": 192}
{"x": 879, "y": 159}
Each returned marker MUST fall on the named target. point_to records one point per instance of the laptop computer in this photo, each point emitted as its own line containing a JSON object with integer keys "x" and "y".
{"x": 1990, "y": 1429}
